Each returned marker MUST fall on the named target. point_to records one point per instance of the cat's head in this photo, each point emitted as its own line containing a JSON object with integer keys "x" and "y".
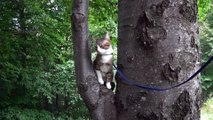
{"x": 104, "y": 45}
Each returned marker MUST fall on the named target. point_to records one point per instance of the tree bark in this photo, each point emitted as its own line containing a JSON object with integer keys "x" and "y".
{"x": 158, "y": 45}
{"x": 98, "y": 99}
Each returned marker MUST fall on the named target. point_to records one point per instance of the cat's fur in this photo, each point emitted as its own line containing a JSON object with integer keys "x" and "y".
{"x": 103, "y": 62}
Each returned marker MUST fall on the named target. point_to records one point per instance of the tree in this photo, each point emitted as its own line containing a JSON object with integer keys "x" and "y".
{"x": 98, "y": 99}
{"x": 163, "y": 49}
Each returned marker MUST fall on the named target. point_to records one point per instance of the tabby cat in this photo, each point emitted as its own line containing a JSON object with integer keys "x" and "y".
{"x": 103, "y": 61}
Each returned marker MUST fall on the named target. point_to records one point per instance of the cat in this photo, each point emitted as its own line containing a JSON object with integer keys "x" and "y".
{"x": 103, "y": 61}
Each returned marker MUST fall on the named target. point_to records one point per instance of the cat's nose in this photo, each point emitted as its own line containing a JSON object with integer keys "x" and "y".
{"x": 106, "y": 44}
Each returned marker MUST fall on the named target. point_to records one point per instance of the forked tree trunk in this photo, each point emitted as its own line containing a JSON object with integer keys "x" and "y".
{"x": 158, "y": 45}
{"x": 98, "y": 99}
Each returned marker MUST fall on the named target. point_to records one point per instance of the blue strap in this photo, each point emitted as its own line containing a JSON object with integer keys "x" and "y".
{"x": 131, "y": 82}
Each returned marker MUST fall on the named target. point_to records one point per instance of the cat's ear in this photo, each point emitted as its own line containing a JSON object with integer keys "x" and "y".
{"x": 107, "y": 36}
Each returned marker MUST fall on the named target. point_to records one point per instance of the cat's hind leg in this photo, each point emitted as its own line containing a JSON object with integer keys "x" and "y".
{"x": 108, "y": 85}
{"x": 109, "y": 78}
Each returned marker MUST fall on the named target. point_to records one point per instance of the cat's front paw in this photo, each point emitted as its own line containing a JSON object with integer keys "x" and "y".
{"x": 101, "y": 81}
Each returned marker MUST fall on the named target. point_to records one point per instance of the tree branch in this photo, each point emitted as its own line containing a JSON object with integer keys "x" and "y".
{"x": 98, "y": 99}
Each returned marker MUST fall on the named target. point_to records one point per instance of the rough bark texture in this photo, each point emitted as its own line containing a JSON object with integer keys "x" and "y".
{"x": 158, "y": 46}
{"x": 99, "y": 100}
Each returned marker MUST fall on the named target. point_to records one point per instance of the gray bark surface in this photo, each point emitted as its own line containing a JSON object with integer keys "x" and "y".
{"x": 99, "y": 100}
{"x": 158, "y": 45}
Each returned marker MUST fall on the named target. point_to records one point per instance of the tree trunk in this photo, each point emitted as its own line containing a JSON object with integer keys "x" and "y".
{"x": 158, "y": 45}
{"x": 23, "y": 35}
{"x": 98, "y": 99}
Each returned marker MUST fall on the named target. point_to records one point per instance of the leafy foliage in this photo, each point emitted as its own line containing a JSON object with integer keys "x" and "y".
{"x": 207, "y": 51}
{"x": 36, "y": 61}
{"x": 15, "y": 113}
{"x": 207, "y": 110}
{"x": 103, "y": 17}
{"x": 203, "y": 8}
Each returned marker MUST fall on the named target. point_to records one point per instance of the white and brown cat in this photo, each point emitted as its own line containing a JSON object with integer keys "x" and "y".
{"x": 103, "y": 62}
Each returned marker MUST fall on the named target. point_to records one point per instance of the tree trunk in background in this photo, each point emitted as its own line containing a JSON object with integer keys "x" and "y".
{"x": 23, "y": 34}
{"x": 98, "y": 99}
{"x": 158, "y": 46}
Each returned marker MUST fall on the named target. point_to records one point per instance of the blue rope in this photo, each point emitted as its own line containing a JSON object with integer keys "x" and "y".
{"x": 130, "y": 82}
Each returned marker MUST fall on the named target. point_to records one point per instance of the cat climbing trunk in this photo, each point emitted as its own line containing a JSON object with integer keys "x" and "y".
{"x": 158, "y": 45}
{"x": 99, "y": 100}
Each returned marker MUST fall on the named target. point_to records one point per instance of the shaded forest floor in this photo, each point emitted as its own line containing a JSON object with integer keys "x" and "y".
{"x": 207, "y": 110}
